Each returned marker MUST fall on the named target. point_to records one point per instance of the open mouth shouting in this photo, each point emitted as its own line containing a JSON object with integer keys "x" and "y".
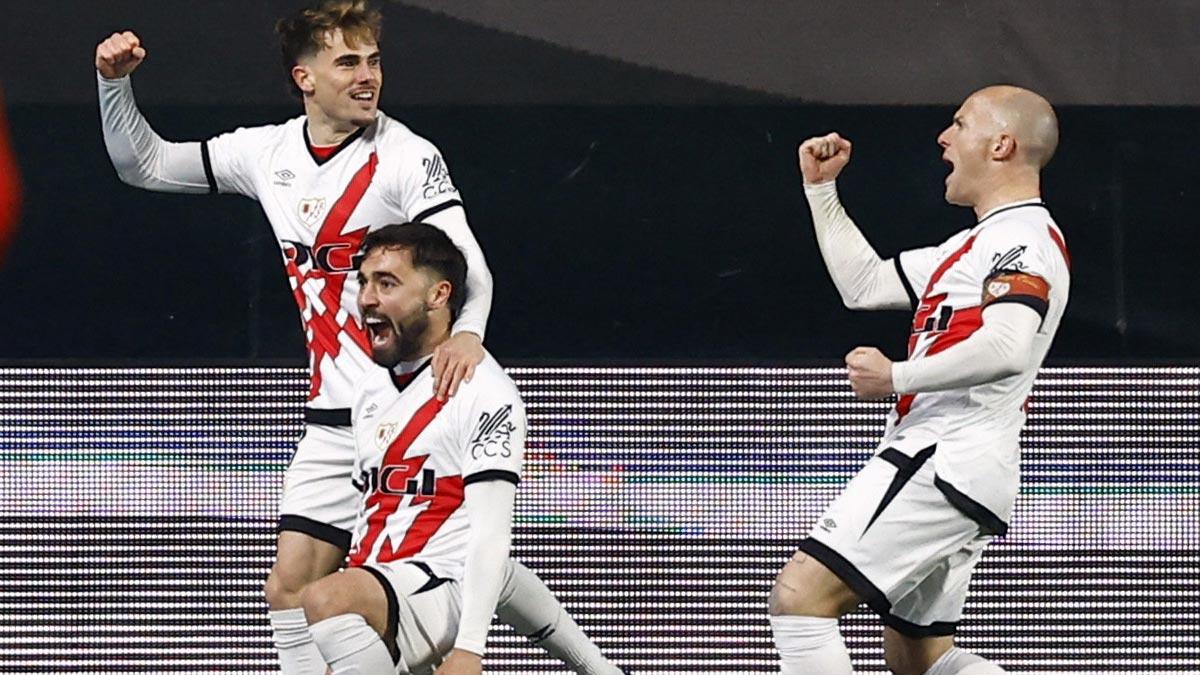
{"x": 381, "y": 331}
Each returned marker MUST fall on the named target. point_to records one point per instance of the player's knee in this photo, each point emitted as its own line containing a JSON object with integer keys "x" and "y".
{"x": 279, "y": 593}
{"x": 322, "y": 601}
{"x": 805, "y": 588}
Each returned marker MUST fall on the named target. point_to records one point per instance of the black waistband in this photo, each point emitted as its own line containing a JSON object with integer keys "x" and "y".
{"x": 329, "y": 417}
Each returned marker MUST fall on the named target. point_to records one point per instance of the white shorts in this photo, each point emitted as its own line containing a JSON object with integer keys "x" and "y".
{"x": 318, "y": 498}
{"x": 895, "y": 539}
{"x": 423, "y": 614}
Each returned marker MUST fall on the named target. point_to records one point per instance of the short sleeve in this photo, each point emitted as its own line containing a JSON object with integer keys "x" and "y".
{"x": 1017, "y": 264}
{"x": 915, "y": 267}
{"x": 229, "y": 160}
{"x": 495, "y": 427}
{"x": 424, "y": 186}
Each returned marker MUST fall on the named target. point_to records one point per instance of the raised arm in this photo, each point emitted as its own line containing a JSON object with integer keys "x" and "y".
{"x": 140, "y": 156}
{"x": 862, "y": 278}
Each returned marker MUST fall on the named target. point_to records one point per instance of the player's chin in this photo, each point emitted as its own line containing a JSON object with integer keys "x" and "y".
{"x": 386, "y": 355}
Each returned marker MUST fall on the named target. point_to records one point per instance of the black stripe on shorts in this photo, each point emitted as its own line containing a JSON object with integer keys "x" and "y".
{"x": 906, "y": 468}
{"x": 327, "y": 417}
{"x": 989, "y": 522}
{"x": 848, "y": 573}
{"x": 315, "y": 529}
{"x": 393, "y": 614}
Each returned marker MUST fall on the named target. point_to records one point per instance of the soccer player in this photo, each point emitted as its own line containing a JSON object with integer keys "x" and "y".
{"x": 438, "y": 477}
{"x": 907, "y": 531}
{"x": 324, "y": 179}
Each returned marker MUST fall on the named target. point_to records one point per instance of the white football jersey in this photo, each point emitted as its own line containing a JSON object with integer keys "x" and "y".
{"x": 414, "y": 456}
{"x": 320, "y": 211}
{"x": 1015, "y": 253}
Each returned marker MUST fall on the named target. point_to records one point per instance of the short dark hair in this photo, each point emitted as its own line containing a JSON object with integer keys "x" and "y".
{"x": 430, "y": 249}
{"x": 303, "y": 33}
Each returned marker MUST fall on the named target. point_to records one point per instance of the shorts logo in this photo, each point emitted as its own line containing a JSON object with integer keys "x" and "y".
{"x": 385, "y": 434}
{"x": 311, "y": 210}
{"x": 494, "y": 434}
{"x": 998, "y": 288}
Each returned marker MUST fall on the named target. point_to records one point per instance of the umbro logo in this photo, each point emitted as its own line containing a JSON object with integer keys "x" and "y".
{"x": 370, "y": 411}
{"x": 284, "y": 177}
{"x": 828, "y": 524}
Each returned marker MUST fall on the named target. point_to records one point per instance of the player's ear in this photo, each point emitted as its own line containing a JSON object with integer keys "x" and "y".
{"x": 303, "y": 77}
{"x": 1005, "y": 147}
{"x": 438, "y": 295}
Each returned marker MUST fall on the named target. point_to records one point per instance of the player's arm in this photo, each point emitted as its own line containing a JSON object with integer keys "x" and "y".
{"x": 454, "y": 360}
{"x": 141, "y": 157}
{"x": 1014, "y": 304}
{"x": 863, "y": 279}
{"x": 489, "y": 506}
{"x": 492, "y": 425}
{"x": 425, "y": 191}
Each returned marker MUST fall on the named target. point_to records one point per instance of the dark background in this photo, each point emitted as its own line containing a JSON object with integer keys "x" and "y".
{"x": 661, "y": 231}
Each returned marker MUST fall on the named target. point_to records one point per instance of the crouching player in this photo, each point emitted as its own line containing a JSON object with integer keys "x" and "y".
{"x": 438, "y": 478}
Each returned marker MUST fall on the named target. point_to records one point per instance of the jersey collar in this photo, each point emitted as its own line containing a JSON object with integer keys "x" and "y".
{"x": 341, "y": 146}
{"x": 1036, "y": 201}
{"x": 403, "y": 373}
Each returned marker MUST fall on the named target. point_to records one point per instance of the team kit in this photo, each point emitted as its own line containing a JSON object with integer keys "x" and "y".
{"x": 395, "y": 527}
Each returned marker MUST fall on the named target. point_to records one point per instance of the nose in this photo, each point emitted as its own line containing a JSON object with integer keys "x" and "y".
{"x": 363, "y": 72}
{"x": 943, "y": 138}
{"x": 366, "y": 296}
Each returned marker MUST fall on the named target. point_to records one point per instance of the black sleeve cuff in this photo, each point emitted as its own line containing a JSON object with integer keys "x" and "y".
{"x": 420, "y": 217}
{"x": 208, "y": 172}
{"x": 912, "y": 296}
{"x": 492, "y": 474}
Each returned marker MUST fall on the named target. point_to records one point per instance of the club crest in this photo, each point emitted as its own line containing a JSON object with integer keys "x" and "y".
{"x": 385, "y": 434}
{"x": 311, "y": 211}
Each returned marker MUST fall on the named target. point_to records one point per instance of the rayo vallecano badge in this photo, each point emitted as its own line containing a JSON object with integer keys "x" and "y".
{"x": 311, "y": 211}
{"x": 385, "y": 434}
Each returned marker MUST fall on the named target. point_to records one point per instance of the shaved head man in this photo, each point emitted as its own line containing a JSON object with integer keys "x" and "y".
{"x": 907, "y": 531}
{"x": 998, "y": 142}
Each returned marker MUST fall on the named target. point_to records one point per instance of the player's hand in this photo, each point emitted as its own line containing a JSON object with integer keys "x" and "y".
{"x": 461, "y": 662}
{"x": 454, "y": 362}
{"x": 870, "y": 373}
{"x": 119, "y": 55}
{"x": 822, "y": 158}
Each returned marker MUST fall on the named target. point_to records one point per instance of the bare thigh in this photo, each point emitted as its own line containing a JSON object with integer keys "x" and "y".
{"x": 351, "y": 591}
{"x": 299, "y": 561}
{"x": 805, "y": 587}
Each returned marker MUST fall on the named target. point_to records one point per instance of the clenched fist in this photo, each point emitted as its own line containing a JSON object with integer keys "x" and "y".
{"x": 822, "y": 158}
{"x": 119, "y": 55}
{"x": 870, "y": 373}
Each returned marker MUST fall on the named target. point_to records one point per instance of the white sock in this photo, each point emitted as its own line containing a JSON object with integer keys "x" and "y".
{"x": 529, "y": 607}
{"x": 962, "y": 662}
{"x": 298, "y": 654}
{"x": 810, "y": 645}
{"x": 351, "y": 647}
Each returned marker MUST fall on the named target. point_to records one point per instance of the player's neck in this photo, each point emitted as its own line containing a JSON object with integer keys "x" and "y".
{"x": 435, "y": 337}
{"x": 324, "y": 131}
{"x": 1007, "y": 193}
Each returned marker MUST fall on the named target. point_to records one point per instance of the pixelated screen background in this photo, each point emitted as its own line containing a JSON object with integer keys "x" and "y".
{"x": 137, "y": 509}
